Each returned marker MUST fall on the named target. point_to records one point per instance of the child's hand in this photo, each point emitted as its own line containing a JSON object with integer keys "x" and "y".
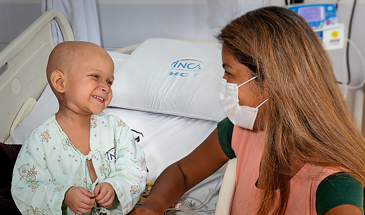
{"x": 78, "y": 200}
{"x": 104, "y": 193}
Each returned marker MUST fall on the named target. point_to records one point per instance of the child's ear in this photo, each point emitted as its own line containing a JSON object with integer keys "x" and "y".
{"x": 57, "y": 79}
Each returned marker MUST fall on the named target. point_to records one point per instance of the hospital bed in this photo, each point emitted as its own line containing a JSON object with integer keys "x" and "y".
{"x": 166, "y": 134}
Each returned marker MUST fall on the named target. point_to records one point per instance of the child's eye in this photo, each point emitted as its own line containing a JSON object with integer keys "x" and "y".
{"x": 94, "y": 76}
{"x": 109, "y": 83}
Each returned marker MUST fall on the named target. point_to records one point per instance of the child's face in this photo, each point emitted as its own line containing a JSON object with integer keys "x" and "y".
{"x": 88, "y": 83}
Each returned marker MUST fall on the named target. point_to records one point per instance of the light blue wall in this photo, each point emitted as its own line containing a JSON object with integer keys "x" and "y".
{"x": 15, "y": 17}
{"x": 127, "y": 24}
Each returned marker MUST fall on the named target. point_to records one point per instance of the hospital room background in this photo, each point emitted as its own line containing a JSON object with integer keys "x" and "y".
{"x": 116, "y": 24}
{"x": 119, "y": 23}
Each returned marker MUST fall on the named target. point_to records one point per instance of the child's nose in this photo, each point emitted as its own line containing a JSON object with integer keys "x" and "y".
{"x": 105, "y": 88}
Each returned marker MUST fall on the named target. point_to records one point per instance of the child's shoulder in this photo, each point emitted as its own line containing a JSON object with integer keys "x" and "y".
{"x": 111, "y": 118}
{"x": 44, "y": 129}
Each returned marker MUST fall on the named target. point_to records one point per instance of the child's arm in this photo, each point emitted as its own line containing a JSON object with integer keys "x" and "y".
{"x": 128, "y": 177}
{"x": 33, "y": 187}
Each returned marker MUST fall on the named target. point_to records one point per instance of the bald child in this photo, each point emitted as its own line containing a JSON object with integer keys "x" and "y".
{"x": 80, "y": 160}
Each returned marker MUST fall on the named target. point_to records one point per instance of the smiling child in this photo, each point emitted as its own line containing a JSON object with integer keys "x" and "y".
{"x": 80, "y": 160}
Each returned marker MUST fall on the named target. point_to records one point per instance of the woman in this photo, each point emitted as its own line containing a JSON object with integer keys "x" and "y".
{"x": 304, "y": 154}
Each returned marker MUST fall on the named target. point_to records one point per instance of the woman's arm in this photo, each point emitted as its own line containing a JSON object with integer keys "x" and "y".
{"x": 179, "y": 177}
{"x": 344, "y": 209}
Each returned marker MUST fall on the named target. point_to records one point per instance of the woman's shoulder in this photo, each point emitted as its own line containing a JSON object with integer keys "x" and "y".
{"x": 225, "y": 131}
{"x": 338, "y": 189}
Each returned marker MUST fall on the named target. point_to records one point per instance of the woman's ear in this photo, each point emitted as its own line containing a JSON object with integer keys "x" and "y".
{"x": 58, "y": 81}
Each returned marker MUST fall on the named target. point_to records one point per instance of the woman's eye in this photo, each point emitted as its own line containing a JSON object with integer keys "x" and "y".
{"x": 227, "y": 73}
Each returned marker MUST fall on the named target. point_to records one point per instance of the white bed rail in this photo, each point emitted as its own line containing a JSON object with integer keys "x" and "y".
{"x": 227, "y": 189}
{"x": 25, "y": 59}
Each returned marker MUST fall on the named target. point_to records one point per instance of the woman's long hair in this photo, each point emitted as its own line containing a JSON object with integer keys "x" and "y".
{"x": 308, "y": 119}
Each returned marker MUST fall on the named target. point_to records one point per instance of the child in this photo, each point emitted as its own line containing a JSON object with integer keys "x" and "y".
{"x": 79, "y": 159}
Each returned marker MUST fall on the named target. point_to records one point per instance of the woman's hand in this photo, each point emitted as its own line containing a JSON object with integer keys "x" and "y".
{"x": 144, "y": 211}
{"x": 182, "y": 175}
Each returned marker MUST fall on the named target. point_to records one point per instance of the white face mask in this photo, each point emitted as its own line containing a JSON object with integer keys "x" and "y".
{"x": 243, "y": 116}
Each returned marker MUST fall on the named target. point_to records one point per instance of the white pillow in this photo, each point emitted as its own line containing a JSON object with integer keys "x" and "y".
{"x": 118, "y": 59}
{"x": 171, "y": 77}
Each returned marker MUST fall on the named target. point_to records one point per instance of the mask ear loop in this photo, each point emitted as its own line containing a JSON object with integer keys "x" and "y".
{"x": 261, "y": 103}
{"x": 247, "y": 81}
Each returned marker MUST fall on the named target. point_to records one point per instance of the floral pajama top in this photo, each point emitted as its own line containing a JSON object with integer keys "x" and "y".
{"x": 48, "y": 165}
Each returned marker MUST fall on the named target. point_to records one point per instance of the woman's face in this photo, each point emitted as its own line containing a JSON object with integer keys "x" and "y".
{"x": 249, "y": 94}
{"x": 238, "y": 73}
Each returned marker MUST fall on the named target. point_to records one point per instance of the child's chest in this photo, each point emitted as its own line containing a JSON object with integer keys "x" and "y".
{"x": 80, "y": 138}
{"x": 77, "y": 158}
{"x": 81, "y": 143}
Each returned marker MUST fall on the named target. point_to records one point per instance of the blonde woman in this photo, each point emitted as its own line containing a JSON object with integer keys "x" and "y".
{"x": 298, "y": 149}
